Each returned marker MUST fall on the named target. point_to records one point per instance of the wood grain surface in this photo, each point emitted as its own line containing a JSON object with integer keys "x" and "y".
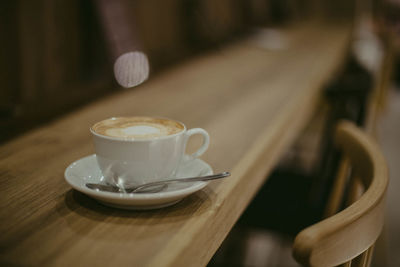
{"x": 253, "y": 103}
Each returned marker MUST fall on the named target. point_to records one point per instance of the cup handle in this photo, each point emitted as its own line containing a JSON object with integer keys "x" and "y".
{"x": 204, "y": 146}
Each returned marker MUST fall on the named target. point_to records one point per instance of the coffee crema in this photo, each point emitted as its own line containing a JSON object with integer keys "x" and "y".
{"x": 137, "y": 127}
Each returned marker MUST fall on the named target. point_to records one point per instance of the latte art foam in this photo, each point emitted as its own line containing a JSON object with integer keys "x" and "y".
{"x": 137, "y": 127}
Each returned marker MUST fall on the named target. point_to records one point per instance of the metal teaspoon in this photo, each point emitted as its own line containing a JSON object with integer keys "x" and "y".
{"x": 157, "y": 186}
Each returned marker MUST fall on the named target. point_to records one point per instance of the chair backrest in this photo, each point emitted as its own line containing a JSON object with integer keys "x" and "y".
{"x": 348, "y": 236}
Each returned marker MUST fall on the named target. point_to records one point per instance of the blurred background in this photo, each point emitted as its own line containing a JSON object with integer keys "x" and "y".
{"x": 56, "y": 56}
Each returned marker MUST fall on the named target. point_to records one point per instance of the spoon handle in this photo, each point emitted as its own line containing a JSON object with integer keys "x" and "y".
{"x": 178, "y": 180}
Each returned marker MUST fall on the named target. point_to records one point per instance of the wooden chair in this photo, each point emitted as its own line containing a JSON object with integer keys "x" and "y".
{"x": 347, "y": 237}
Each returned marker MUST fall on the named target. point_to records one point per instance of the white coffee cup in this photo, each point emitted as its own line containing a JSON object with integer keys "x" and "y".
{"x": 137, "y": 153}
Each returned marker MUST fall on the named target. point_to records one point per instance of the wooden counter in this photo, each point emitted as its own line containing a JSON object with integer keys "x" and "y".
{"x": 252, "y": 101}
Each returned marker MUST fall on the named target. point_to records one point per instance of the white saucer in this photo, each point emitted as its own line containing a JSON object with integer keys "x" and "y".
{"x": 86, "y": 170}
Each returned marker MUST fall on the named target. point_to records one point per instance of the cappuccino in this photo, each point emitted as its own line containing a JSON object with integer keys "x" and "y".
{"x": 137, "y": 127}
{"x": 137, "y": 150}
